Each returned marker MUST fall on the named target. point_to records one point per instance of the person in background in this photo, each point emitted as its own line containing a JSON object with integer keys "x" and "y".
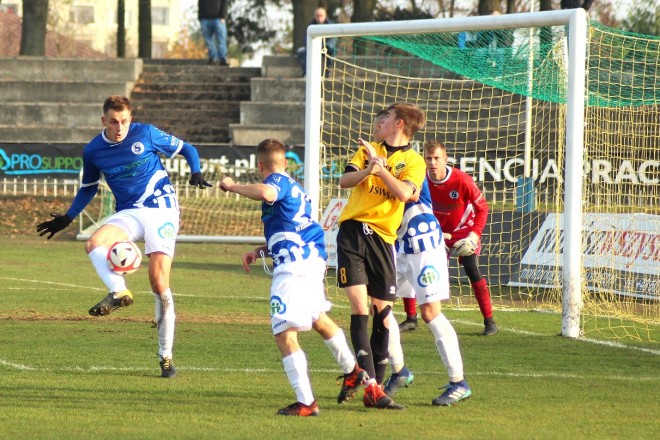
{"x": 212, "y": 15}
{"x": 320, "y": 17}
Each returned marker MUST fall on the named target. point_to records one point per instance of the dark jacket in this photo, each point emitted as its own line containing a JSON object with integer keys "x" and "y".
{"x": 212, "y": 9}
{"x": 329, "y": 42}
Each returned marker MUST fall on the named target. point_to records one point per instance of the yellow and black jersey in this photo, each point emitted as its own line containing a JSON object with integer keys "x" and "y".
{"x": 371, "y": 202}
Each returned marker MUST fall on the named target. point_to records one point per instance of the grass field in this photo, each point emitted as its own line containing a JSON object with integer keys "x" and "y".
{"x": 64, "y": 374}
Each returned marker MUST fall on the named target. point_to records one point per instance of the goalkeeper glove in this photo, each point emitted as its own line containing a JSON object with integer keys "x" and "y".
{"x": 54, "y": 226}
{"x": 467, "y": 245}
{"x": 197, "y": 179}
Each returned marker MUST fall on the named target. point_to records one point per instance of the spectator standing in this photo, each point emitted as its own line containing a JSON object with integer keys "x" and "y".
{"x": 212, "y": 15}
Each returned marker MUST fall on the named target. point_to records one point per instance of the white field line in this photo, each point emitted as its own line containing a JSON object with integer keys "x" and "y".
{"x": 612, "y": 344}
{"x": 16, "y": 366}
{"x": 551, "y": 375}
{"x": 50, "y": 283}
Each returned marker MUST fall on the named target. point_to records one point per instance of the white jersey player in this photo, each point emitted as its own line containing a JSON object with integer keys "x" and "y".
{"x": 421, "y": 273}
{"x": 297, "y": 297}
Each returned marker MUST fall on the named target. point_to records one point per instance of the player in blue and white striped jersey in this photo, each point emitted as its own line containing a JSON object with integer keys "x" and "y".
{"x": 127, "y": 156}
{"x": 296, "y": 244}
{"x": 422, "y": 273}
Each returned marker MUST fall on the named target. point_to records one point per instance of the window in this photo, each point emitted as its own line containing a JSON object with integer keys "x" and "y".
{"x": 82, "y": 14}
{"x": 160, "y": 16}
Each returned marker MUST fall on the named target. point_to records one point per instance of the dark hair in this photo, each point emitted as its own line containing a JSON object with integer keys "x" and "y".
{"x": 117, "y": 103}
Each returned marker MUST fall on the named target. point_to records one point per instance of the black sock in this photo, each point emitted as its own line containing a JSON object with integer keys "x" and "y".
{"x": 361, "y": 345}
{"x": 380, "y": 337}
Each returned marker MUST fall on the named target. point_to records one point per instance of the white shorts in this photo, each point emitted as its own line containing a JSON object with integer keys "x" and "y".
{"x": 157, "y": 227}
{"x": 423, "y": 276}
{"x": 297, "y": 295}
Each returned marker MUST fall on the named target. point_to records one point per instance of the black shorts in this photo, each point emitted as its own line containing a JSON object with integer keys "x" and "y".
{"x": 363, "y": 257}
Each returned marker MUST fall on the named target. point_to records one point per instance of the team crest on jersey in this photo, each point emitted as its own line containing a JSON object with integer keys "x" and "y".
{"x": 276, "y": 306}
{"x": 453, "y": 195}
{"x": 398, "y": 168}
{"x": 137, "y": 148}
{"x": 427, "y": 276}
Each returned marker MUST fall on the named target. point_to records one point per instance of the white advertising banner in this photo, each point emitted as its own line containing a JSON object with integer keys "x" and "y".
{"x": 330, "y": 226}
{"x": 620, "y": 254}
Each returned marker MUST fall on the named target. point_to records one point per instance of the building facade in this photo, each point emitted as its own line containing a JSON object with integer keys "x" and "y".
{"x": 95, "y": 23}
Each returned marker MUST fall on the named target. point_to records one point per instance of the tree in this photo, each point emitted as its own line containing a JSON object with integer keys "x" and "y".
{"x": 121, "y": 29}
{"x": 487, "y": 7}
{"x": 33, "y": 28}
{"x": 643, "y": 18}
{"x": 363, "y": 10}
{"x": 573, "y": 4}
{"x": 144, "y": 29}
{"x": 247, "y": 26}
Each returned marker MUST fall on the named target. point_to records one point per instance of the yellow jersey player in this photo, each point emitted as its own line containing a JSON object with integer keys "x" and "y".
{"x": 383, "y": 176}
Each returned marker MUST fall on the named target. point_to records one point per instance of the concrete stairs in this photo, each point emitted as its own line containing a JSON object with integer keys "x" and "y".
{"x": 190, "y": 99}
{"x": 48, "y": 100}
{"x": 277, "y": 108}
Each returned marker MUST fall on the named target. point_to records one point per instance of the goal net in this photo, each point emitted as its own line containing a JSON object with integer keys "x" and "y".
{"x": 563, "y": 143}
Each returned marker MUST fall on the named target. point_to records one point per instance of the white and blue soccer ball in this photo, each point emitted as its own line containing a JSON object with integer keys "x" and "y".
{"x": 124, "y": 257}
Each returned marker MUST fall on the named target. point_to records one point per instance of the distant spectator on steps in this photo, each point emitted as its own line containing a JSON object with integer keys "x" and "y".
{"x": 212, "y": 15}
{"x": 320, "y": 17}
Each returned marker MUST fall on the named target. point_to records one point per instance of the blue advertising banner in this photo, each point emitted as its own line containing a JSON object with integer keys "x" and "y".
{"x": 59, "y": 160}
{"x": 44, "y": 160}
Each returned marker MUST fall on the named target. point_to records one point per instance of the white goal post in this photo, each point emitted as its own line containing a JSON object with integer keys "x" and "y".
{"x": 576, "y": 22}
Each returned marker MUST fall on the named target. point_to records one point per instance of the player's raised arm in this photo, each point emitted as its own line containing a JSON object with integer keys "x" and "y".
{"x": 254, "y": 191}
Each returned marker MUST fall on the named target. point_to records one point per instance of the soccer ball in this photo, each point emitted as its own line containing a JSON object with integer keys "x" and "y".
{"x": 124, "y": 257}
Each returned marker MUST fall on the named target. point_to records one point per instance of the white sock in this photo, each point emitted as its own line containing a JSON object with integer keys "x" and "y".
{"x": 338, "y": 346}
{"x": 447, "y": 343}
{"x": 113, "y": 281}
{"x": 165, "y": 318}
{"x": 295, "y": 367}
{"x": 394, "y": 345}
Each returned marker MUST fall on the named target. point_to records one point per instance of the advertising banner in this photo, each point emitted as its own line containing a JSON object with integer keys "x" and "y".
{"x": 621, "y": 254}
{"x": 58, "y": 161}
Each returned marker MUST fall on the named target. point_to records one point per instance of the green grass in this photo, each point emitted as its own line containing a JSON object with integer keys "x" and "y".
{"x": 64, "y": 374}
